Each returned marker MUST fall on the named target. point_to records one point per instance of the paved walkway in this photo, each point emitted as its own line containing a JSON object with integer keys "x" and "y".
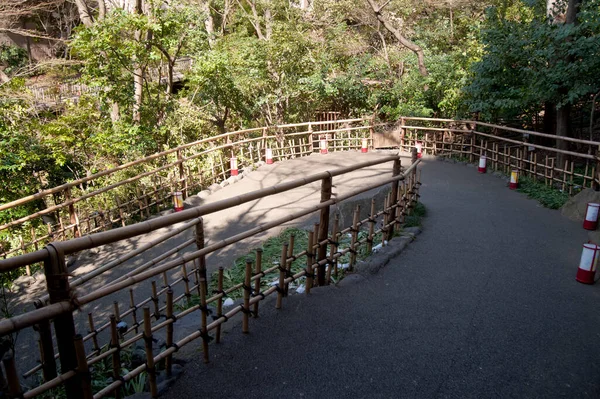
{"x": 484, "y": 304}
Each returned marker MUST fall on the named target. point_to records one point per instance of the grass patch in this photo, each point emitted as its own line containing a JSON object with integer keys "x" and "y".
{"x": 549, "y": 197}
{"x": 416, "y": 216}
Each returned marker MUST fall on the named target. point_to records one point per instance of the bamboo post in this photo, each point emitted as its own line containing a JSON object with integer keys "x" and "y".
{"x": 247, "y": 289}
{"x": 288, "y": 265}
{"x": 182, "y": 176}
{"x": 372, "y": 222}
{"x": 394, "y": 191}
{"x": 326, "y": 185}
{"x": 333, "y": 248}
{"x": 149, "y": 355}
{"x": 571, "y": 178}
{"x": 546, "y": 171}
{"x": 282, "y": 270}
{"x": 73, "y": 218}
{"x": 202, "y": 259}
{"x": 258, "y": 274}
{"x": 354, "y": 238}
{"x": 14, "y": 386}
{"x": 196, "y": 277}
{"x": 59, "y": 290}
{"x": 121, "y": 215}
{"x": 46, "y": 347}
{"x": 155, "y": 301}
{"x": 169, "y": 328}
{"x": 309, "y": 261}
{"x": 564, "y": 182}
{"x": 219, "y": 302}
{"x": 186, "y": 284}
{"x": 386, "y": 220}
{"x": 116, "y": 357}
{"x": 133, "y": 309}
{"x": 94, "y": 332}
{"x": 83, "y": 370}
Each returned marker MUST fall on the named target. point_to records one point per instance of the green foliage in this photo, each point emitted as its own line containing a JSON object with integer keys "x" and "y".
{"x": 528, "y": 60}
{"x": 550, "y": 197}
{"x": 12, "y": 58}
{"x": 416, "y": 216}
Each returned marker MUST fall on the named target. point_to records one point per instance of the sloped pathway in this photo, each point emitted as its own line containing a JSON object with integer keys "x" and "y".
{"x": 484, "y": 304}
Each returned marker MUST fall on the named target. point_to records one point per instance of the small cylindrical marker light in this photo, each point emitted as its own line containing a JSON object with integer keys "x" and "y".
{"x": 233, "y": 166}
{"x": 482, "y": 164}
{"x": 591, "y": 216}
{"x": 419, "y": 147}
{"x": 178, "y": 201}
{"x": 269, "y": 156}
{"x": 323, "y": 144}
{"x": 587, "y": 264}
{"x": 365, "y": 145}
{"x": 514, "y": 179}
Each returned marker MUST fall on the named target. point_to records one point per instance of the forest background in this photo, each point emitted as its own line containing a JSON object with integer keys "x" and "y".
{"x": 526, "y": 63}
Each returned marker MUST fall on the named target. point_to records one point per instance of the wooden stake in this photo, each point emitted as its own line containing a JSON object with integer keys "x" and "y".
{"x": 95, "y": 334}
{"x": 288, "y": 265}
{"x": 14, "y": 386}
{"x": 282, "y": 270}
{"x": 246, "y": 311}
{"x": 169, "y": 328}
{"x": 219, "y": 303}
{"x": 333, "y": 248}
{"x": 354, "y": 238}
{"x": 150, "y": 369}
{"x": 309, "y": 261}
{"x": 186, "y": 284}
{"x": 323, "y": 232}
{"x": 83, "y": 370}
{"x": 257, "y": 273}
{"x": 116, "y": 356}
{"x": 155, "y": 301}
{"x": 133, "y": 309}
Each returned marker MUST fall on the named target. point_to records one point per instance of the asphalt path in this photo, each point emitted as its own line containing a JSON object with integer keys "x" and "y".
{"x": 484, "y": 304}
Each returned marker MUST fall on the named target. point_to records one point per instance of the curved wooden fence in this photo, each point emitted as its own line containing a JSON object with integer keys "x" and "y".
{"x": 134, "y": 191}
{"x": 106, "y": 342}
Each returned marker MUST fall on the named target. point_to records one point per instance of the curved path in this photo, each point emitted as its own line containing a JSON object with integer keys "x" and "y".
{"x": 483, "y": 304}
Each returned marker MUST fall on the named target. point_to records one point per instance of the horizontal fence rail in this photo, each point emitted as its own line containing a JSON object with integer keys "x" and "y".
{"x": 112, "y": 337}
{"x": 132, "y": 192}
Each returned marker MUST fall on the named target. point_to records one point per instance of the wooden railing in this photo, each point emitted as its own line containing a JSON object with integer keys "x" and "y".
{"x": 134, "y": 191}
{"x": 327, "y": 246}
{"x": 533, "y": 154}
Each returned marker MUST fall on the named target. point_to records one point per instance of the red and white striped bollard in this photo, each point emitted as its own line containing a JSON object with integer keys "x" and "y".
{"x": 591, "y": 216}
{"x": 233, "y": 166}
{"x": 587, "y": 264}
{"x": 269, "y": 156}
{"x": 482, "y": 164}
{"x": 514, "y": 179}
{"x": 323, "y": 144}
{"x": 365, "y": 145}
{"x": 419, "y": 147}
{"x": 178, "y": 201}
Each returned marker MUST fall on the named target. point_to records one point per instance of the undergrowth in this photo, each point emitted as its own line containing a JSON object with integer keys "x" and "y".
{"x": 548, "y": 196}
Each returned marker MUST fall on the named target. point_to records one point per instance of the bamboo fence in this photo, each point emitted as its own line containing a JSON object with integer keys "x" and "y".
{"x": 132, "y": 192}
{"x": 107, "y": 338}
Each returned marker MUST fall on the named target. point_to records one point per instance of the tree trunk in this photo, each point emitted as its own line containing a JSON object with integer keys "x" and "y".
{"x": 562, "y": 130}
{"x": 208, "y": 22}
{"x": 138, "y": 76}
{"x": 84, "y": 13}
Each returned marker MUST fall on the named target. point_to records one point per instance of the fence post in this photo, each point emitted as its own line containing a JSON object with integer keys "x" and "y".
{"x": 201, "y": 259}
{"x": 83, "y": 369}
{"x": 73, "y": 218}
{"x": 182, "y": 176}
{"x": 395, "y": 172}
{"x": 326, "y": 185}
{"x": 57, "y": 281}
{"x": 47, "y": 347}
{"x": 596, "y": 177}
{"x": 12, "y": 377}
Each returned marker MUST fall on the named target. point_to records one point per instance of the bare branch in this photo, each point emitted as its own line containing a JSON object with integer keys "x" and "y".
{"x": 404, "y": 41}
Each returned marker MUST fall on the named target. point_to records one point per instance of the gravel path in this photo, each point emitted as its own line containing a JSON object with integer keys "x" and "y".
{"x": 483, "y": 304}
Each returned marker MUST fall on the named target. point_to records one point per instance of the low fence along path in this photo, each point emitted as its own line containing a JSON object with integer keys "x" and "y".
{"x": 483, "y": 304}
